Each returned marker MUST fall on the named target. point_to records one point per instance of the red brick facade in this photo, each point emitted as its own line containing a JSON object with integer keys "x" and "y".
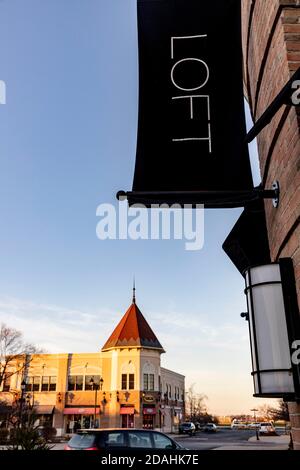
{"x": 271, "y": 40}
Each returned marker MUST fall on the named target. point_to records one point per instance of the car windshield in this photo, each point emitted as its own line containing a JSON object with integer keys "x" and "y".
{"x": 82, "y": 441}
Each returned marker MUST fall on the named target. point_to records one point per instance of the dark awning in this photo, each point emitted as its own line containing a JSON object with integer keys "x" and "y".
{"x": 43, "y": 409}
{"x": 247, "y": 244}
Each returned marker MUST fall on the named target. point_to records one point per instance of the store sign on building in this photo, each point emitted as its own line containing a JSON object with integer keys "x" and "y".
{"x": 191, "y": 129}
{"x": 149, "y": 398}
{"x": 149, "y": 411}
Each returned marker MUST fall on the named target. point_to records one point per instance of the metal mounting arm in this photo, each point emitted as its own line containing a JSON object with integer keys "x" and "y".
{"x": 210, "y": 199}
{"x": 284, "y": 97}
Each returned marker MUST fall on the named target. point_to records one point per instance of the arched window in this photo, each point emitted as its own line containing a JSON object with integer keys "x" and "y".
{"x": 128, "y": 376}
{"x": 149, "y": 381}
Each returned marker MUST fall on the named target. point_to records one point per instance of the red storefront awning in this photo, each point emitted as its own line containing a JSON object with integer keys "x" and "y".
{"x": 81, "y": 411}
{"x": 149, "y": 411}
{"x": 127, "y": 410}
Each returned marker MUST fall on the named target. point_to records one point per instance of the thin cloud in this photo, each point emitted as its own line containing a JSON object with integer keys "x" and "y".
{"x": 57, "y": 329}
{"x": 171, "y": 327}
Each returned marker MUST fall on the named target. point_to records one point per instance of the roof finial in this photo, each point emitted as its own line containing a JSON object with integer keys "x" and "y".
{"x": 133, "y": 291}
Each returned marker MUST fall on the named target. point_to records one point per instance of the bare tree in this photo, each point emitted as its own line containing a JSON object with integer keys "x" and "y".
{"x": 195, "y": 404}
{"x": 279, "y": 413}
{"x": 265, "y": 412}
{"x": 12, "y": 348}
{"x": 282, "y": 412}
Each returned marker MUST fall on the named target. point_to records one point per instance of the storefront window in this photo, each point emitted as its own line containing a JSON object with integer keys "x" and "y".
{"x": 48, "y": 384}
{"x": 79, "y": 382}
{"x": 148, "y": 421}
{"x": 52, "y": 384}
{"x": 124, "y": 381}
{"x": 87, "y": 384}
{"x": 33, "y": 384}
{"x": 36, "y": 384}
{"x": 127, "y": 421}
{"x": 131, "y": 381}
{"x": 151, "y": 382}
{"x": 72, "y": 382}
{"x": 29, "y": 383}
{"x": 45, "y": 420}
{"x": 145, "y": 381}
{"x": 75, "y": 422}
{"x": 75, "y": 382}
{"x": 127, "y": 381}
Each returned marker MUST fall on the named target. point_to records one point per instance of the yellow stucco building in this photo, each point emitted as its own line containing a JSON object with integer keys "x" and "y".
{"x": 123, "y": 385}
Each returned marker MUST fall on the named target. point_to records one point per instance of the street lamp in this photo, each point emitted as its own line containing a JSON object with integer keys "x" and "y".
{"x": 256, "y": 428}
{"x": 101, "y": 383}
{"x": 274, "y": 328}
{"x": 94, "y": 387}
{"x": 172, "y": 417}
{"x": 23, "y": 387}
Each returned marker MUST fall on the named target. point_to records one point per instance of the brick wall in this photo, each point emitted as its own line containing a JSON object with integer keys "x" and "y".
{"x": 271, "y": 41}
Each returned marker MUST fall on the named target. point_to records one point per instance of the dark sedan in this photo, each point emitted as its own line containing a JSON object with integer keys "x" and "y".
{"x": 101, "y": 439}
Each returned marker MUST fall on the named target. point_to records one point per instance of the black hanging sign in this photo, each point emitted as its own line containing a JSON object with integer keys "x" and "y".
{"x": 191, "y": 128}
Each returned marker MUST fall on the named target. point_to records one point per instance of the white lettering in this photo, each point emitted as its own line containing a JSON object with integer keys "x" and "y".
{"x": 165, "y": 222}
{"x": 196, "y": 236}
{"x": 2, "y": 92}
{"x": 138, "y": 228}
{"x": 106, "y": 227}
{"x": 192, "y": 98}
{"x": 184, "y": 37}
{"x": 197, "y": 87}
{"x": 163, "y": 213}
{"x": 123, "y": 220}
{"x": 296, "y": 94}
{"x": 296, "y": 354}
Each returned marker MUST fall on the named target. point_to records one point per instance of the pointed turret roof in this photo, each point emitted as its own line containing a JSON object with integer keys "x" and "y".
{"x": 133, "y": 331}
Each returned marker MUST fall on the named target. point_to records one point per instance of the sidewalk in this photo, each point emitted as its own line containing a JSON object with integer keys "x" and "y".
{"x": 264, "y": 443}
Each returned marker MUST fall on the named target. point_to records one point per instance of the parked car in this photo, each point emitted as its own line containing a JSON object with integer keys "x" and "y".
{"x": 102, "y": 439}
{"x": 187, "y": 428}
{"x": 236, "y": 424}
{"x": 210, "y": 427}
{"x": 254, "y": 425}
{"x": 267, "y": 429}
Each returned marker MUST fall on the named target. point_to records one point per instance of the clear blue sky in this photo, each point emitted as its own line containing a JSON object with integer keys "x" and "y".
{"x": 67, "y": 144}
